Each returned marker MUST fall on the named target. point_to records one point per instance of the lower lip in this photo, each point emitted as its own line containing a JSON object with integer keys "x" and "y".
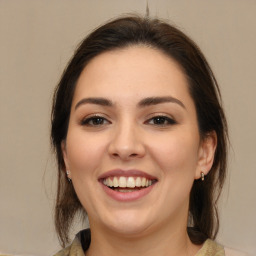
{"x": 127, "y": 196}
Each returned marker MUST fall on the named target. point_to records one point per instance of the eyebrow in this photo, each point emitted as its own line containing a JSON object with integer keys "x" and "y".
{"x": 158, "y": 100}
{"x": 97, "y": 101}
{"x": 143, "y": 103}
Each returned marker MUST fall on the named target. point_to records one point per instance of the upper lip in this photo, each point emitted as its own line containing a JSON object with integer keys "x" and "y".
{"x": 126, "y": 173}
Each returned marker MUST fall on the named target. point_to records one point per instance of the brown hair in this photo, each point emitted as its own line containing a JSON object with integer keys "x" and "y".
{"x": 203, "y": 88}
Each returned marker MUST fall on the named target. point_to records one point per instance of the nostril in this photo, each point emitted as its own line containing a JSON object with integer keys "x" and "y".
{"x": 133, "y": 155}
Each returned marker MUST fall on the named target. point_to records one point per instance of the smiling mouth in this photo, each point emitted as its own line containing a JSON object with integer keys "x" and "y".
{"x": 128, "y": 184}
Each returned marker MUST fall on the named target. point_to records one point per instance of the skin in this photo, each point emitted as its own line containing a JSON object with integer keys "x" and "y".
{"x": 128, "y": 137}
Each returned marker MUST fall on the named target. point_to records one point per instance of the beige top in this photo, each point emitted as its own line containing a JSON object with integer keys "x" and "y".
{"x": 210, "y": 248}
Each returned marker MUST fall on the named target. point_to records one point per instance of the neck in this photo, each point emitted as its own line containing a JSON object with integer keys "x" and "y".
{"x": 163, "y": 242}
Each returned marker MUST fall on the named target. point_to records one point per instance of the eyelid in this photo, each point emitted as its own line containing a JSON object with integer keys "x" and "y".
{"x": 91, "y": 117}
{"x": 169, "y": 118}
{"x": 159, "y": 114}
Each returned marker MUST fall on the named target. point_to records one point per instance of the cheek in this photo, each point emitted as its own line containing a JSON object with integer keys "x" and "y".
{"x": 84, "y": 152}
{"x": 176, "y": 157}
{"x": 176, "y": 154}
{"x": 85, "y": 159}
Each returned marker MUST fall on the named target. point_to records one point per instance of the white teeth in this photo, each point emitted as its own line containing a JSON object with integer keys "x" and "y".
{"x": 115, "y": 182}
{"x": 127, "y": 182}
{"x": 109, "y": 182}
{"x": 138, "y": 182}
{"x": 122, "y": 182}
{"x": 130, "y": 182}
{"x": 125, "y": 190}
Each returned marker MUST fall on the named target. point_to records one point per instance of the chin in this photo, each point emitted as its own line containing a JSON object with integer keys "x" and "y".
{"x": 128, "y": 230}
{"x": 128, "y": 223}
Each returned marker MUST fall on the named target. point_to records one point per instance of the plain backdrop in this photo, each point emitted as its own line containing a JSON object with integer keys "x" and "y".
{"x": 37, "y": 37}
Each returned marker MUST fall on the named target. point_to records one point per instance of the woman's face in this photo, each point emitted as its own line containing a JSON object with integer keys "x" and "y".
{"x": 133, "y": 146}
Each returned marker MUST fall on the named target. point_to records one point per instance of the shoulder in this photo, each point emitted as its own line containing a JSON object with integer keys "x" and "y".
{"x": 75, "y": 249}
{"x": 79, "y": 245}
{"x": 63, "y": 252}
{"x": 211, "y": 248}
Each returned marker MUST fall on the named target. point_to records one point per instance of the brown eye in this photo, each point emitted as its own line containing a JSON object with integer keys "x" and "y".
{"x": 95, "y": 121}
{"x": 161, "y": 121}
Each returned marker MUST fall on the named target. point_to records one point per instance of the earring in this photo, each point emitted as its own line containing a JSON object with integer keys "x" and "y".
{"x": 68, "y": 172}
{"x": 202, "y": 176}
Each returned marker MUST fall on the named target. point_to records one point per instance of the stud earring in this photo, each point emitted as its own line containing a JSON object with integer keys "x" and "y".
{"x": 68, "y": 172}
{"x": 202, "y": 176}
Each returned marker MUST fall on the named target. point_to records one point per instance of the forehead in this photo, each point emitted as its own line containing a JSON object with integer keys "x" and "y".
{"x": 132, "y": 72}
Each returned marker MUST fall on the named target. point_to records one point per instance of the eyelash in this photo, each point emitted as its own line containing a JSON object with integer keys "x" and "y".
{"x": 162, "y": 120}
{"x": 159, "y": 120}
{"x": 90, "y": 121}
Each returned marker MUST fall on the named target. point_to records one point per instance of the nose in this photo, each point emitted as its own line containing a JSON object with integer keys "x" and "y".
{"x": 127, "y": 142}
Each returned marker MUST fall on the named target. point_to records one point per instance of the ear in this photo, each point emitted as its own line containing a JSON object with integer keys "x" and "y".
{"x": 65, "y": 157}
{"x": 206, "y": 154}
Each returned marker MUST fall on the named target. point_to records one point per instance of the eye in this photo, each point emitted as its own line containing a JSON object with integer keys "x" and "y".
{"x": 161, "y": 121}
{"x": 95, "y": 121}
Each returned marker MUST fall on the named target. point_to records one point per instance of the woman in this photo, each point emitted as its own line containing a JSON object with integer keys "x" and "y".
{"x": 140, "y": 138}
